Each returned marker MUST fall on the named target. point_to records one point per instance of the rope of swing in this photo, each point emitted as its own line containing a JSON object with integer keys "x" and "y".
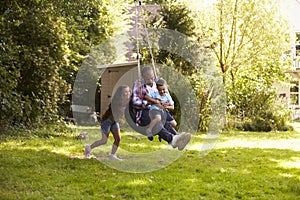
{"x": 137, "y": 41}
{"x": 147, "y": 37}
{"x": 148, "y": 41}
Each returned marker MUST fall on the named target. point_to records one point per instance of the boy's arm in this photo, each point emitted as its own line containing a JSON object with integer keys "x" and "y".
{"x": 168, "y": 106}
{"x": 151, "y": 100}
{"x": 170, "y": 103}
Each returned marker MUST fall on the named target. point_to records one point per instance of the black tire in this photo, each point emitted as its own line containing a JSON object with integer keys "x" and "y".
{"x": 130, "y": 114}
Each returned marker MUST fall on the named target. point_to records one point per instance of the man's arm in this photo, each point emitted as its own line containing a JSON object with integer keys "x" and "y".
{"x": 152, "y": 100}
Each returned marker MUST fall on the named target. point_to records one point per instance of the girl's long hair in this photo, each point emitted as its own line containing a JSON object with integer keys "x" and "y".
{"x": 114, "y": 108}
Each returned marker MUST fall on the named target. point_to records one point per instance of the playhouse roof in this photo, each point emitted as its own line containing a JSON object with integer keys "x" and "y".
{"x": 126, "y": 64}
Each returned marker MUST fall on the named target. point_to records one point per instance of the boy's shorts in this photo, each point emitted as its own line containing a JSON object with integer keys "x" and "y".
{"x": 169, "y": 117}
{"x": 108, "y": 125}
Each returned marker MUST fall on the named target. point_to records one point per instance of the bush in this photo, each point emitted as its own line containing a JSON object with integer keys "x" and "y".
{"x": 267, "y": 121}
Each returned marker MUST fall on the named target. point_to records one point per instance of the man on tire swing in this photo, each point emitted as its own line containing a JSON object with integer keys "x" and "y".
{"x": 141, "y": 100}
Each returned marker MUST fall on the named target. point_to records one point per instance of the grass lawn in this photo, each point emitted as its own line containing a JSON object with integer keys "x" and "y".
{"x": 49, "y": 165}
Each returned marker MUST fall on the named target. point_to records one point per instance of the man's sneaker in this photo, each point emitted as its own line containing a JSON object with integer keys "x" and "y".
{"x": 185, "y": 139}
{"x": 149, "y": 134}
{"x": 114, "y": 157}
{"x": 87, "y": 151}
{"x": 175, "y": 141}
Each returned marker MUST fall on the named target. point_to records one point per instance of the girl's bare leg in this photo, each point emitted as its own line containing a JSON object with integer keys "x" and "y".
{"x": 97, "y": 143}
{"x": 100, "y": 142}
{"x": 117, "y": 139}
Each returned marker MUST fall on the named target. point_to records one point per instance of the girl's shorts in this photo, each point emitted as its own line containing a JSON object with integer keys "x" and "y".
{"x": 108, "y": 125}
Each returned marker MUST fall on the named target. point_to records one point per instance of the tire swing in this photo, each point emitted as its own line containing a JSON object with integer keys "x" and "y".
{"x": 132, "y": 111}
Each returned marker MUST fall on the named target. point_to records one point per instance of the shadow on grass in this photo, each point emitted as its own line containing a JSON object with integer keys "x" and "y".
{"x": 251, "y": 173}
{"x": 229, "y": 173}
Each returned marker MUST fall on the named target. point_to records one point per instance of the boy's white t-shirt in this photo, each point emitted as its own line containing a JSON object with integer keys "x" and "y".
{"x": 151, "y": 90}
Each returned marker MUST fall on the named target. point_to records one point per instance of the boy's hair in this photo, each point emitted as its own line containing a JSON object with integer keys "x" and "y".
{"x": 161, "y": 82}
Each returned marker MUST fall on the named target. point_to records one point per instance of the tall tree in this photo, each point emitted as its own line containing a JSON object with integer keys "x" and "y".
{"x": 174, "y": 15}
{"x": 39, "y": 48}
{"x": 245, "y": 34}
{"x": 89, "y": 23}
{"x": 248, "y": 39}
{"x": 177, "y": 16}
{"x": 43, "y": 43}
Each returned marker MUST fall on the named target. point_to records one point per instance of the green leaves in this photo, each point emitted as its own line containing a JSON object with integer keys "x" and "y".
{"x": 248, "y": 39}
{"x": 43, "y": 44}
